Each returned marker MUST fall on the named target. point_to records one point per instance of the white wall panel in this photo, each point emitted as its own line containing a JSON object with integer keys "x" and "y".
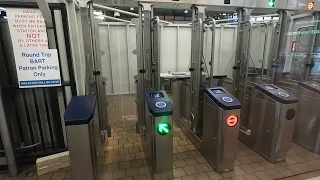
{"x": 169, "y": 48}
{"x": 184, "y": 48}
{"x": 119, "y": 64}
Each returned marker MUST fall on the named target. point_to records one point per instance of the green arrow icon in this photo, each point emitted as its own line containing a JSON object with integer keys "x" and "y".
{"x": 163, "y": 128}
{"x": 271, "y": 3}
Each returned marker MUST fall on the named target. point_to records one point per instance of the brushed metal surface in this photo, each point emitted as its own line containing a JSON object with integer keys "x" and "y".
{"x": 163, "y": 151}
{"x": 308, "y": 119}
{"x": 271, "y": 132}
{"x": 81, "y": 154}
{"x": 261, "y": 123}
{"x": 283, "y": 133}
{"x": 219, "y": 141}
{"x": 158, "y": 149}
{"x": 290, "y": 86}
{"x": 177, "y": 101}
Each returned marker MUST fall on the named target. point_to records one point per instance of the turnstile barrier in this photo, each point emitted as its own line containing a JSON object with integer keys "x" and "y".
{"x": 86, "y": 143}
{"x": 306, "y": 132}
{"x": 271, "y": 122}
{"x": 158, "y": 138}
{"x": 221, "y": 116}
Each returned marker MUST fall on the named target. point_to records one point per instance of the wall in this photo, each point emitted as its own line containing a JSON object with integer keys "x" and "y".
{"x": 119, "y": 64}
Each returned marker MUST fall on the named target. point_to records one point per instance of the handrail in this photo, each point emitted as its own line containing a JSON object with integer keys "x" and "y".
{"x": 98, "y": 6}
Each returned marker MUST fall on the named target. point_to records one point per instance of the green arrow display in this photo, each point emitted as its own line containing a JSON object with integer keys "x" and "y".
{"x": 272, "y": 3}
{"x": 163, "y": 128}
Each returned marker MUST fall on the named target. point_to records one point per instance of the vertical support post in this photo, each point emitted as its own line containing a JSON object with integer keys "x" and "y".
{"x": 273, "y": 50}
{"x": 99, "y": 89}
{"x": 196, "y": 67}
{"x": 46, "y": 12}
{"x": 284, "y": 22}
{"x": 156, "y": 49}
{"x": 213, "y": 39}
{"x": 140, "y": 77}
{"x": 6, "y": 140}
{"x": 313, "y": 46}
{"x": 244, "y": 14}
{"x": 242, "y": 61}
{"x": 147, "y": 8}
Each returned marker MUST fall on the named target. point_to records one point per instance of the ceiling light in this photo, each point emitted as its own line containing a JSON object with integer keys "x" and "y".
{"x": 131, "y": 9}
{"x": 224, "y": 14}
{"x": 116, "y": 14}
{"x": 186, "y": 11}
{"x": 97, "y": 13}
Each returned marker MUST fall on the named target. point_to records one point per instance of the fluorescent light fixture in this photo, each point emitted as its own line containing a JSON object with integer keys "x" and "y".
{"x": 267, "y": 18}
{"x": 116, "y": 14}
{"x": 276, "y": 18}
{"x": 224, "y": 14}
{"x": 99, "y": 17}
{"x": 97, "y": 13}
{"x": 186, "y": 11}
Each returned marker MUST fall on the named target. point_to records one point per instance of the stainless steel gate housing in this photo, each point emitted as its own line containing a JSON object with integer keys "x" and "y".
{"x": 158, "y": 147}
{"x": 221, "y": 116}
{"x": 272, "y": 119}
{"x": 306, "y": 131}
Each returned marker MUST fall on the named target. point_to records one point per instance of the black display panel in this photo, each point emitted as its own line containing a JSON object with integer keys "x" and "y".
{"x": 217, "y": 91}
{"x": 156, "y": 95}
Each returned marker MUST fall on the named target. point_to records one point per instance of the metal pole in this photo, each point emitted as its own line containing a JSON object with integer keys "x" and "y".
{"x": 46, "y": 12}
{"x": 309, "y": 61}
{"x": 236, "y": 72}
{"x": 264, "y": 50}
{"x": 147, "y": 44}
{"x": 284, "y": 21}
{"x": 156, "y": 49}
{"x": 116, "y": 19}
{"x": 213, "y": 30}
{"x": 6, "y": 140}
{"x": 122, "y": 11}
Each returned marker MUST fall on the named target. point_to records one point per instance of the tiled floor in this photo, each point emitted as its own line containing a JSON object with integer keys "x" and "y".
{"x": 125, "y": 159}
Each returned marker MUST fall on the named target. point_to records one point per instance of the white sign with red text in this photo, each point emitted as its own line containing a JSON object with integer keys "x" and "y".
{"x": 36, "y": 64}
{"x": 27, "y": 28}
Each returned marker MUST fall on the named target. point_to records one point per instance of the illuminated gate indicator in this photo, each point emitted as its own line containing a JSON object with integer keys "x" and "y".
{"x": 311, "y": 5}
{"x": 272, "y": 3}
{"x": 232, "y": 121}
{"x": 164, "y": 128}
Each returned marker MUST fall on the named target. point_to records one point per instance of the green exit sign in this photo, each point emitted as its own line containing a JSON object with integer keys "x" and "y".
{"x": 163, "y": 128}
{"x": 272, "y": 3}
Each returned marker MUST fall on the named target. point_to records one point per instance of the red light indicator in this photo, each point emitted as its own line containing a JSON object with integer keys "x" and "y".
{"x": 311, "y": 5}
{"x": 232, "y": 120}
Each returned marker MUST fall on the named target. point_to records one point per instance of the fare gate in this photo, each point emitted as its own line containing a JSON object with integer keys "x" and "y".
{"x": 271, "y": 122}
{"x": 306, "y": 132}
{"x": 85, "y": 140}
{"x": 221, "y": 113}
{"x": 158, "y": 138}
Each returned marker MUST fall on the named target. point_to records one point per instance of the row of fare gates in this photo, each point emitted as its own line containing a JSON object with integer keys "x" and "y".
{"x": 276, "y": 120}
{"x": 265, "y": 117}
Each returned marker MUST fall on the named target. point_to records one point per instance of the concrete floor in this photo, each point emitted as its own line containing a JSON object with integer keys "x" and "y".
{"x": 125, "y": 158}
